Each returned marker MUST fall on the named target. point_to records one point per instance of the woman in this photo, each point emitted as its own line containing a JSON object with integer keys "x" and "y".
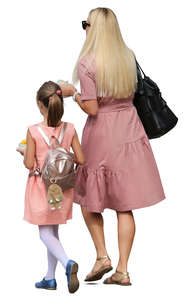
{"x": 120, "y": 171}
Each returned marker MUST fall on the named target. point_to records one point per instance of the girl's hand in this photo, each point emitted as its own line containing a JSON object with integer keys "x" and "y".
{"x": 67, "y": 90}
{"x": 21, "y": 151}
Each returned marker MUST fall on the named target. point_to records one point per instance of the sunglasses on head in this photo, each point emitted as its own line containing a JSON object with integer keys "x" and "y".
{"x": 85, "y": 24}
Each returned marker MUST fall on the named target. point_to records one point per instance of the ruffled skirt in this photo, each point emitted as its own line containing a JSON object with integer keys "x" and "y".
{"x": 120, "y": 172}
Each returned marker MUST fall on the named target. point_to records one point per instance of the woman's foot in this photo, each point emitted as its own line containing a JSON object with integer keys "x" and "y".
{"x": 120, "y": 278}
{"x": 101, "y": 266}
{"x": 71, "y": 273}
{"x": 46, "y": 284}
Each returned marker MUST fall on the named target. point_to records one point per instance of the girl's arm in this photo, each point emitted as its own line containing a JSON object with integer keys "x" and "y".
{"x": 29, "y": 154}
{"x": 79, "y": 155}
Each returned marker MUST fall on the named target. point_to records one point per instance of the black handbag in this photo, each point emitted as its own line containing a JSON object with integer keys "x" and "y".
{"x": 155, "y": 115}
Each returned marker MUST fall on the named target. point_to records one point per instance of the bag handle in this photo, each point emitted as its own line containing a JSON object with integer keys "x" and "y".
{"x": 139, "y": 76}
{"x": 139, "y": 67}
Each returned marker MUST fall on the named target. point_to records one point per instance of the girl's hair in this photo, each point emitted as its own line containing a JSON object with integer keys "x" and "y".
{"x": 50, "y": 94}
{"x": 115, "y": 62}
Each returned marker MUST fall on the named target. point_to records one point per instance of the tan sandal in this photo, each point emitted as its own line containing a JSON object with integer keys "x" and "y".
{"x": 110, "y": 280}
{"x": 101, "y": 271}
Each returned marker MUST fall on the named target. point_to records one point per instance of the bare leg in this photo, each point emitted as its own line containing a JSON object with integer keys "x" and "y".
{"x": 94, "y": 222}
{"x": 126, "y": 232}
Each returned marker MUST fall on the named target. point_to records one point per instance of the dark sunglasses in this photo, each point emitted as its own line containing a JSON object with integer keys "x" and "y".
{"x": 85, "y": 24}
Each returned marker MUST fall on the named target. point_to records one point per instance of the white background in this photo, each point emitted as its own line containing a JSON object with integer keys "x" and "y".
{"x": 41, "y": 40}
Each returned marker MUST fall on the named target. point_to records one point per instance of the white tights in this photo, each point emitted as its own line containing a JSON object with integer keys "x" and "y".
{"x": 55, "y": 251}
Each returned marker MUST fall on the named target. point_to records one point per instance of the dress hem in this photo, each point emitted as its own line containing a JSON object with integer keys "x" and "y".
{"x": 122, "y": 210}
{"x": 52, "y": 223}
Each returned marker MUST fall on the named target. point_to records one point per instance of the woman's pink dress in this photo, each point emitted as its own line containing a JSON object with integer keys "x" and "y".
{"x": 120, "y": 172}
{"x": 37, "y": 209}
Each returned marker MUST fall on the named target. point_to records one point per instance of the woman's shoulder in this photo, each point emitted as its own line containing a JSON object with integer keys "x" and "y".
{"x": 87, "y": 58}
{"x": 87, "y": 62}
{"x": 87, "y": 66}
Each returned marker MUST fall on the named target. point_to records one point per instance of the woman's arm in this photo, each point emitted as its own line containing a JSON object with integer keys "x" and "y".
{"x": 29, "y": 154}
{"x": 90, "y": 107}
{"x": 79, "y": 155}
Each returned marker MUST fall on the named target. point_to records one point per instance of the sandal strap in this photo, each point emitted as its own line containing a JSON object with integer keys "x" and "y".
{"x": 101, "y": 264}
{"x": 126, "y": 274}
{"x": 102, "y": 257}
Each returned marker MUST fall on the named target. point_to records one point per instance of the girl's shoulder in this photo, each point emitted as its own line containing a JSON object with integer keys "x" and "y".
{"x": 69, "y": 134}
{"x": 33, "y": 127}
{"x": 69, "y": 131}
{"x": 70, "y": 128}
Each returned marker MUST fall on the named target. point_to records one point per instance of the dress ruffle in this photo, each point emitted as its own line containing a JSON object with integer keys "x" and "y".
{"x": 120, "y": 185}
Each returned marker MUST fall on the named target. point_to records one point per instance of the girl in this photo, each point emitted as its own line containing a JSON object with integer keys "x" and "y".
{"x": 120, "y": 172}
{"x": 37, "y": 211}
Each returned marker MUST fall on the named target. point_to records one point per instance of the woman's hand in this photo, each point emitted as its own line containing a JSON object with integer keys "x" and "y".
{"x": 67, "y": 90}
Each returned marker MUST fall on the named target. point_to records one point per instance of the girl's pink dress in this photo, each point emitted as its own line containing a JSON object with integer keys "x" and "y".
{"x": 120, "y": 172}
{"x": 37, "y": 209}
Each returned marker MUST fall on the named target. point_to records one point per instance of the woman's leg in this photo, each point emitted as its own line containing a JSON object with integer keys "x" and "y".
{"x": 52, "y": 260}
{"x": 54, "y": 246}
{"x": 94, "y": 222}
{"x": 126, "y": 233}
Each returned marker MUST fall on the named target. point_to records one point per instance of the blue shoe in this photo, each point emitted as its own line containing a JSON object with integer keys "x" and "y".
{"x": 71, "y": 273}
{"x": 46, "y": 284}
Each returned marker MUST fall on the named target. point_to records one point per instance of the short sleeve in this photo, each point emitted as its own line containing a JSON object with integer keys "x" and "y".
{"x": 87, "y": 83}
{"x": 72, "y": 132}
{"x": 68, "y": 136}
{"x": 31, "y": 129}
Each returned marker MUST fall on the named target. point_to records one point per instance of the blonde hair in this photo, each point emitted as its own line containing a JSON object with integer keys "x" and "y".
{"x": 115, "y": 62}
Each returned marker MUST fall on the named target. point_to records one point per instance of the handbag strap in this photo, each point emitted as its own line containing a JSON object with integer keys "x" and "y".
{"x": 141, "y": 79}
{"x": 139, "y": 67}
{"x": 46, "y": 139}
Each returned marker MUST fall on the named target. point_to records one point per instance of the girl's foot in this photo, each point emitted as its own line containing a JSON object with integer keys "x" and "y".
{"x": 46, "y": 284}
{"x": 120, "y": 278}
{"x": 71, "y": 273}
{"x": 102, "y": 266}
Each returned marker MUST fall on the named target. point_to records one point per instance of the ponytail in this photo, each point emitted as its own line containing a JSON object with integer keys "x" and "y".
{"x": 55, "y": 110}
{"x": 50, "y": 95}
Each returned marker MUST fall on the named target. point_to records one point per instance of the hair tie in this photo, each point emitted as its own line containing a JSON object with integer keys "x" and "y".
{"x": 50, "y": 98}
{"x": 58, "y": 92}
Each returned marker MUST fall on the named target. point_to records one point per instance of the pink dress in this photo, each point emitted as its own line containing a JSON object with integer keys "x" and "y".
{"x": 120, "y": 172}
{"x": 37, "y": 209}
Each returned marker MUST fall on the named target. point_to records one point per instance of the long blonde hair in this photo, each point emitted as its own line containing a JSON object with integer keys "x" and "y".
{"x": 115, "y": 62}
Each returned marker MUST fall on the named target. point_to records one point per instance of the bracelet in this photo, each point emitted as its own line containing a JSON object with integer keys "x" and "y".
{"x": 74, "y": 96}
